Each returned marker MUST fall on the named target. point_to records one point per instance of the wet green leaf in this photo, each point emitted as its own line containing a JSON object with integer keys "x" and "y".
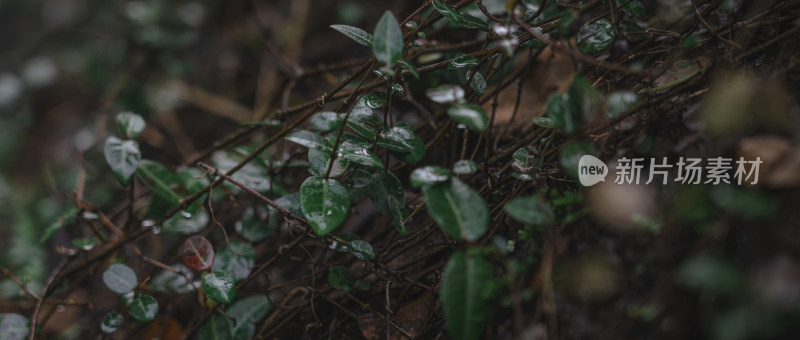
{"x": 633, "y": 7}
{"x": 403, "y": 140}
{"x": 185, "y": 223}
{"x": 458, "y": 209}
{"x": 342, "y": 242}
{"x": 310, "y": 140}
{"x": 111, "y": 322}
{"x": 530, "y": 211}
{"x": 258, "y": 222}
{"x": 291, "y": 202}
{"x": 130, "y": 124}
{"x": 565, "y": 116}
{"x": 373, "y": 100}
{"x": 123, "y": 156}
{"x": 446, "y": 94}
{"x": 385, "y": 185}
{"x": 362, "y": 250}
{"x": 469, "y": 21}
{"x": 525, "y": 159}
{"x": 120, "y": 278}
{"x": 448, "y": 11}
{"x": 326, "y": 121}
{"x": 544, "y": 122}
{"x": 388, "y": 41}
{"x": 169, "y": 282}
{"x": 144, "y": 308}
{"x": 63, "y": 218}
{"x": 325, "y": 204}
{"x": 399, "y": 213}
{"x": 465, "y": 167}
{"x": 13, "y": 326}
{"x": 216, "y": 327}
{"x": 85, "y": 243}
{"x": 247, "y": 312}
{"x": 410, "y": 68}
{"x": 237, "y": 259}
{"x": 466, "y": 293}
{"x": 596, "y": 36}
{"x": 219, "y": 286}
{"x": 358, "y": 35}
{"x": 429, "y": 175}
{"x": 471, "y": 115}
{"x": 478, "y": 83}
{"x": 464, "y": 61}
{"x": 364, "y": 122}
{"x": 358, "y": 185}
{"x": 342, "y": 278}
{"x": 318, "y": 163}
{"x": 161, "y": 180}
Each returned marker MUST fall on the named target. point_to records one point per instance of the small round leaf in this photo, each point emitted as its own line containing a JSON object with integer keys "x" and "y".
{"x": 197, "y": 253}
{"x": 111, "y": 322}
{"x": 120, "y": 278}
{"x": 144, "y": 308}
{"x": 219, "y": 287}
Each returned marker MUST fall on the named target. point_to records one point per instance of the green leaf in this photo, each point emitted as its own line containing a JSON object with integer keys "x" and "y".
{"x": 120, "y": 278}
{"x": 85, "y": 243}
{"x": 342, "y": 242}
{"x": 410, "y": 68}
{"x": 360, "y": 154}
{"x": 526, "y": 159}
{"x": 64, "y": 217}
{"x": 310, "y": 140}
{"x": 458, "y": 209}
{"x": 185, "y": 223}
{"x": 360, "y": 36}
{"x": 318, "y": 163}
{"x": 197, "y": 253}
{"x": 466, "y": 294}
{"x": 532, "y": 211}
{"x": 465, "y": 167}
{"x": 236, "y": 259}
{"x": 545, "y": 122}
{"x": 342, "y": 278}
{"x": 566, "y": 116}
{"x": 388, "y": 43}
{"x": 633, "y": 7}
{"x": 364, "y": 122}
{"x": 326, "y": 121}
{"x": 111, "y": 322}
{"x": 13, "y": 326}
{"x": 373, "y": 100}
{"x": 219, "y": 286}
{"x": 399, "y": 213}
{"x": 585, "y": 97}
{"x": 471, "y": 115}
{"x": 620, "y": 101}
{"x": 216, "y": 327}
{"x": 464, "y": 61}
{"x": 291, "y": 202}
{"x": 123, "y": 156}
{"x": 130, "y": 124}
{"x": 446, "y": 94}
{"x": 469, "y": 21}
{"x": 144, "y": 308}
{"x": 362, "y": 250}
{"x": 533, "y": 43}
{"x": 478, "y": 83}
{"x": 358, "y": 185}
{"x": 595, "y": 36}
{"x": 325, "y": 203}
{"x": 571, "y": 154}
{"x": 247, "y": 312}
{"x": 258, "y": 222}
{"x": 161, "y": 180}
{"x": 385, "y": 185}
{"x": 169, "y": 282}
{"x": 429, "y": 175}
{"x": 400, "y": 139}
{"x": 448, "y": 12}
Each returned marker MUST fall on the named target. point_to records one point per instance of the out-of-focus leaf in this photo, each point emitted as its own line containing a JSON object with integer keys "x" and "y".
{"x": 465, "y": 167}
{"x": 326, "y": 121}
{"x": 111, "y": 322}
{"x": 63, "y": 218}
{"x": 388, "y": 40}
{"x": 596, "y": 36}
{"x": 120, "y": 278}
{"x": 144, "y": 308}
{"x": 219, "y": 287}
{"x": 429, "y": 175}
{"x": 14, "y": 326}
{"x": 446, "y": 94}
{"x": 130, "y": 124}
{"x": 236, "y": 259}
{"x": 466, "y": 292}
{"x": 123, "y": 156}
{"x": 342, "y": 278}
{"x": 471, "y": 115}
{"x": 458, "y": 209}
{"x": 530, "y": 211}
